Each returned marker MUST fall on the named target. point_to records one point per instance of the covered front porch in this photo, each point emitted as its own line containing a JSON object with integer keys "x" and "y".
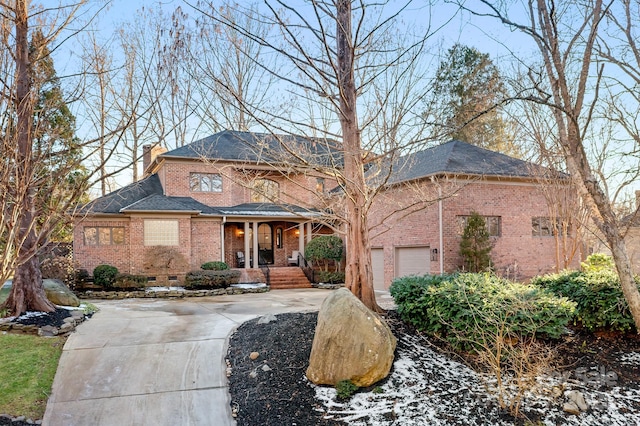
{"x": 259, "y": 235}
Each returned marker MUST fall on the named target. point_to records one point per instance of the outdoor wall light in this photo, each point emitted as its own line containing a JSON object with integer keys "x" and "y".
{"x": 240, "y": 232}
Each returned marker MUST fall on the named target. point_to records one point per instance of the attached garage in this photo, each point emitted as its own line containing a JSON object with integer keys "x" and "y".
{"x": 377, "y": 261}
{"x": 412, "y": 261}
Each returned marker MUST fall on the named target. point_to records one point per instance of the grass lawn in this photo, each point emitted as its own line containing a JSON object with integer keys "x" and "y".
{"x": 27, "y": 367}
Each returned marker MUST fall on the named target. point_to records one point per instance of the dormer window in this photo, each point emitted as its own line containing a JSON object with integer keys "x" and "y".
{"x": 265, "y": 191}
{"x": 205, "y": 182}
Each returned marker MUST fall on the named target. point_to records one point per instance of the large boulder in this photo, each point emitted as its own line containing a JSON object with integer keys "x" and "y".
{"x": 57, "y": 292}
{"x": 351, "y": 343}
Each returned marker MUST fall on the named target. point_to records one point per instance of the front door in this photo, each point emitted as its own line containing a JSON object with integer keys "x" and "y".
{"x": 265, "y": 244}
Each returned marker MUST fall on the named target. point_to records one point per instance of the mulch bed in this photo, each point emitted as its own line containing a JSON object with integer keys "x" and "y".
{"x": 280, "y": 394}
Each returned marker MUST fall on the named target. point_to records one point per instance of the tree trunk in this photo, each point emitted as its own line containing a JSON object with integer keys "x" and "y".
{"x": 358, "y": 272}
{"x": 27, "y": 291}
{"x": 605, "y": 219}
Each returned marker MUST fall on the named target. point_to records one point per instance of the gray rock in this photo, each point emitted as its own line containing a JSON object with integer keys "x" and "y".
{"x": 571, "y": 408}
{"x": 253, "y": 374}
{"x": 267, "y": 319}
{"x": 57, "y": 292}
{"x": 48, "y": 331}
{"x": 578, "y": 399}
{"x": 350, "y": 343}
{"x": 266, "y": 368}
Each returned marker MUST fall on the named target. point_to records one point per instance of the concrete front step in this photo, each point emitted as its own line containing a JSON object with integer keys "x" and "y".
{"x": 288, "y": 277}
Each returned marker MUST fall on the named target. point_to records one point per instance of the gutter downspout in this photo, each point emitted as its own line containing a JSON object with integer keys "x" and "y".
{"x": 224, "y": 221}
{"x": 440, "y": 232}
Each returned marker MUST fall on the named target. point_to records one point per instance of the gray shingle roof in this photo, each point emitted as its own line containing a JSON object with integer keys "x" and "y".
{"x": 258, "y": 147}
{"x": 461, "y": 158}
{"x": 267, "y": 209}
{"x": 159, "y": 202}
{"x": 125, "y": 196}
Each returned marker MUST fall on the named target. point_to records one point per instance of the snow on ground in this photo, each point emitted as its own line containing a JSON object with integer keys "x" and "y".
{"x": 631, "y": 358}
{"x": 427, "y": 387}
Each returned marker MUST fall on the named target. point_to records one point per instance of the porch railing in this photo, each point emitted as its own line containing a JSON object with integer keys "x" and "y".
{"x": 267, "y": 273}
{"x": 306, "y": 267}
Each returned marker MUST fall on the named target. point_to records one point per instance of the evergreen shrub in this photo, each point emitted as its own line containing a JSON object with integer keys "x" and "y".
{"x": 459, "y": 307}
{"x": 211, "y": 279}
{"x": 105, "y": 275}
{"x": 600, "y": 303}
{"x": 214, "y": 266}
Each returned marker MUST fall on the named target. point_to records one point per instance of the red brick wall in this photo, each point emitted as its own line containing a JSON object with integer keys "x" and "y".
{"x": 294, "y": 188}
{"x": 91, "y": 256}
{"x": 515, "y": 253}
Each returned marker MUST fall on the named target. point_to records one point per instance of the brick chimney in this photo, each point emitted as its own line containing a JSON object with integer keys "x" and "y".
{"x": 149, "y": 153}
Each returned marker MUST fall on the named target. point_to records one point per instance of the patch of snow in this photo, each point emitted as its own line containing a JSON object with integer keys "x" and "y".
{"x": 152, "y": 289}
{"x": 631, "y": 358}
{"x": 427, "y": 387}
{"x": 249, "y": 285}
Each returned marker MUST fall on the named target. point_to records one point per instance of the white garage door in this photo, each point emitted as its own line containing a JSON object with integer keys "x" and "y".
{"x": 377, "y": 261}
{"x": 412, "y": 261}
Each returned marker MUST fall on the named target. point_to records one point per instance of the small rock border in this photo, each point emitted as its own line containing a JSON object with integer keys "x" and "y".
{"x": 325, "y": 286}
{"x": 7, "y": 419}
{"x": 69, "y": 325}
{"x": 170, "y": 294}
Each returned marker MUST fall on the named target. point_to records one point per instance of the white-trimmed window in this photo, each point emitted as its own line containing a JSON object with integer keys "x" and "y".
{"x": 265, "y": 191}
{"x": 492, "y": 223}
{"x": 103, "y": 235}
{"x": 161, "y": 232}
{"x": 205, "y": 182}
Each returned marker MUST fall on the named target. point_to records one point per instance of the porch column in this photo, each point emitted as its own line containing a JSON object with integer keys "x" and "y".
{"x": 301, "y": 238}
{"x": 246, "y": 246}
{"x": 256, "y": 252}
{"x": 309, "y": 231}
{"x": 222, "y": 259}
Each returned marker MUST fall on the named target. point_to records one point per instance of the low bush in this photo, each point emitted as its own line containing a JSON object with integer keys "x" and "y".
{"x": 600, "y": 303}
{"x": 130, "y": 281}
{"x": 211, "y": 279}
{"x": 105, "y": 275}
{"x": 328, "y": 277}
{"x": 460, "y": 306}
{"x": 345, "y": 389}
{"x": 495, "y": 318}
{"x": 215, "y": 266}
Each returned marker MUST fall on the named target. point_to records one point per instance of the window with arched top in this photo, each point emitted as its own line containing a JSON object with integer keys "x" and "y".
{"x": 265, "y": 191}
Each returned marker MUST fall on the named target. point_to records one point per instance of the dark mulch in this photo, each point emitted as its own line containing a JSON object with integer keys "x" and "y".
{"x": 282, "y": 396}
{"x": 40, "y": 319}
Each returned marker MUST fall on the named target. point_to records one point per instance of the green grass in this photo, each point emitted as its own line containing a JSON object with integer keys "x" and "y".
{"x": 27, "y": 367}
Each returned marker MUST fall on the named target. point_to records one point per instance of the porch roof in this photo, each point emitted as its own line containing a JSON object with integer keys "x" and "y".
{"x": 268, "y": 209}
{"x": 162, "y": 203}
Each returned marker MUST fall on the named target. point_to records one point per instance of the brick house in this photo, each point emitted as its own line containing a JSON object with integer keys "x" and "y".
{"x": 220, "y": 197}
{"x": 411, "y": 236}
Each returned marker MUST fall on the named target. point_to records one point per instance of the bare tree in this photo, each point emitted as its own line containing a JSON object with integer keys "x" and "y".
{"x": 42, "y": 178}
{"x": 568, "y": 82}
{"x": 352, "y": 86}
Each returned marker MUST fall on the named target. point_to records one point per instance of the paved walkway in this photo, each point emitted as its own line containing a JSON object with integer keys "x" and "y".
{"x": 158, "y": 362}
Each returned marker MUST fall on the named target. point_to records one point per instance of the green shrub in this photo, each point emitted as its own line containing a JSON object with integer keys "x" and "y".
{"x": 130, "y": 281}
{"x": 211, "y": 279}
{"x": 600, "y": 303}
{"x": 329, "y": 277}
{"x": 597, "y": 262}
{"x": 345, "y": 389}
{"x": 475, "y": 244}
{"x": 324, "y": 248}
{"x": 215, "y": 266}
{"x": 460, "y": 307}
{"x": 105, "y": 275}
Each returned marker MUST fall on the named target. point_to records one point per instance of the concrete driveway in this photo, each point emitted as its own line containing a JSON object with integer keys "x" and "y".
{"x": 158, "y": 361}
